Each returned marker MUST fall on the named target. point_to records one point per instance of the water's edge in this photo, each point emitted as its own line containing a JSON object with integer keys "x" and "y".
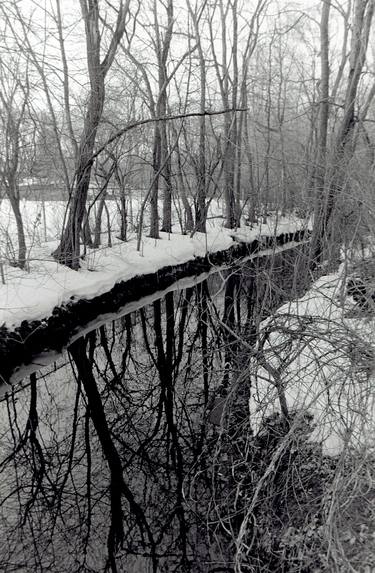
{"x": 37, "y": 343}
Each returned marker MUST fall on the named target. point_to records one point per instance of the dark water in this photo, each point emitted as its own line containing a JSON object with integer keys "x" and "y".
{"x": 120, "y": 455}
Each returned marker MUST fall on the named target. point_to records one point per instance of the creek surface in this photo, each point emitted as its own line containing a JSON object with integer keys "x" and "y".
{"x": 109, "y": 448}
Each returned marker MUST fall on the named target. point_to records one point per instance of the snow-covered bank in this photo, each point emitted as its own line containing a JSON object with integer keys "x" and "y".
{"x": 66, "y": 303}
{"x": 322, "y": 358}
{"x": 33, "y": 294}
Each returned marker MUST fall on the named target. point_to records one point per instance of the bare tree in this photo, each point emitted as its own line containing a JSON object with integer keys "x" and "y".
{"x": 324, "y": 105}
{"x": 232, "y": 80}
{"x": 200, "y": 201}
{"x": 14, "y": 98}
{"x": 343, "y": 144}
{"x": 68, "y": 251}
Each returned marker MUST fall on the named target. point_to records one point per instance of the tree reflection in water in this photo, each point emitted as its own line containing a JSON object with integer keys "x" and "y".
{"x": 110, "y": 460}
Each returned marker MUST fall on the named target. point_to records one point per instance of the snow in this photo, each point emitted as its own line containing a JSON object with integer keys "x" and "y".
{"x": 33, "y": 293}
{"x": 326, "y": 365}
{"x": 274, "y": 226}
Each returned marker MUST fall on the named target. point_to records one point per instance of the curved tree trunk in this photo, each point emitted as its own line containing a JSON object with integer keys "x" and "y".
{"x": 68, "y": 252}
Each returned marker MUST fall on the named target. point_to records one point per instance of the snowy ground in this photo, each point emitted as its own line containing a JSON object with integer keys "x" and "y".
{"x": 321, "y": 354}
{"x": 33, "y": 293}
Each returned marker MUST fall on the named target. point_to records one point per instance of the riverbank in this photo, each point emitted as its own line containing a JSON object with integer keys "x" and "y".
{"x": 44, "y": 308}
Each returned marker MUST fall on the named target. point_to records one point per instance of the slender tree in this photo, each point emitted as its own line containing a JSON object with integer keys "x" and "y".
{"x": 14, "y": 97}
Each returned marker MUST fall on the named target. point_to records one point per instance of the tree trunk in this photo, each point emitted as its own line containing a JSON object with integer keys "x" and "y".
{"x": 86, "y": 230}
{"x": 68, "y": 252}
{"x": 316, "y": 242}
{"x": 200, "y": 202}
{"x": 156, "y": 162}
{"x": 189, "y": 222}
{"x": 123, "y": 216}
{"x": 15, "y": 204}
{"x": 167, "y": 181}
{"x": 98, "y": 221}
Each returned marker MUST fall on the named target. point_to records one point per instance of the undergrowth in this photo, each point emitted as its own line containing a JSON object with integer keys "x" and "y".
{"x": 291, "y": 508}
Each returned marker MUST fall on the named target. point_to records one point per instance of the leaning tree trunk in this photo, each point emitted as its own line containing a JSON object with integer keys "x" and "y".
{"x": 68, "y": 252}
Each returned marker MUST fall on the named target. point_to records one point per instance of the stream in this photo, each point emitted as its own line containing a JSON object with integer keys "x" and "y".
{"x": 115, "y": 454}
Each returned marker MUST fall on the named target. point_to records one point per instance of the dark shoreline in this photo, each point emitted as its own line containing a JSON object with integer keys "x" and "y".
{"x": 20, "y": 346}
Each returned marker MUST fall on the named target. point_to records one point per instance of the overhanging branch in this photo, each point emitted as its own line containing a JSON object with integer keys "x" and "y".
{"x": 140, "y": 122}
